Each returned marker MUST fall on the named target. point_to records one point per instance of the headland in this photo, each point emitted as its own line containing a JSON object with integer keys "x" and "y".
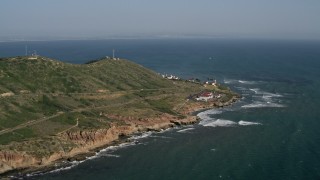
{"x": 51, "y": 110}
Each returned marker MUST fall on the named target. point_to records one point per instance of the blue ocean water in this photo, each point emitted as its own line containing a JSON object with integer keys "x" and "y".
{"x": 271, "y": 133}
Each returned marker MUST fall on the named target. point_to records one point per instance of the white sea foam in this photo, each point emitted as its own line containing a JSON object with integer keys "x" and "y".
{"x": 143, "y": 135}
{"x": 264, "y": 93}
{"x": 206, "y": 120}
{"x": 233, "y": 81}
{"x": 106, "y": 151}
{"x": 205, "y": 114}
{"x": 69, "y": 166}
{"x": 255, "y": 90}
{"x": 259, "y": 104}
{"x": 264, "y": 99}
{"x": 102, "y": 153}
{"x": 227, "y": 123}
{"x": 229, "y": 81}
{"x": 218, "y": 123}
{"x": 116, "y": 147}
{"x": 248, "y": 123}
{"x": 109, "y": 155}
{"x": 246, "y": 82}
{"x": 184, "y": 130}
{"x": 72, "y": 165}
{"x": 270, "y": 95}
{"x": 166, "y": 130}
{"x": 162, "y": 137}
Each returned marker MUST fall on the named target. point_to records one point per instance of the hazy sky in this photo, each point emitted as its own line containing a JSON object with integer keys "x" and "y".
{"x": 108, "y": 18}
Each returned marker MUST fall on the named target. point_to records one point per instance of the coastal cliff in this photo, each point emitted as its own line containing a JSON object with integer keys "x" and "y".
{"x": 63, "y": 110}
{"x": 85, "y": 142}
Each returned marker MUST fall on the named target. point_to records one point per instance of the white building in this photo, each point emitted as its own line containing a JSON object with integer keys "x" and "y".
{"x": 205, "y": 96}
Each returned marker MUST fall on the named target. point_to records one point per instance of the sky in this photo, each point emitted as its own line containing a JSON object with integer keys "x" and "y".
{"x": 32, "y": 19}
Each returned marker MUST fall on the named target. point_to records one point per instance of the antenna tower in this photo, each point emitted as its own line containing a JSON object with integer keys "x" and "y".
{"x": 26, "y": 48}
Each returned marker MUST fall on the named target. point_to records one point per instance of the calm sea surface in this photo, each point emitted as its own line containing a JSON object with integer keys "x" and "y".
{"x": 272, "y": 133}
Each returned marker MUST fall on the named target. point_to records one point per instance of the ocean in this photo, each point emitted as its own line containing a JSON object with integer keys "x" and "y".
{"x": 271, "y": 133}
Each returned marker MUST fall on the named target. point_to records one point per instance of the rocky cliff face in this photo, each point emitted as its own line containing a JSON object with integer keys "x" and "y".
{"x": 90, "y": 139}
{"x": 13, "y": 160}
{"x": 84, "y": 142}
{"x": 93, "y": 137}
{"x": 105, "y": 136}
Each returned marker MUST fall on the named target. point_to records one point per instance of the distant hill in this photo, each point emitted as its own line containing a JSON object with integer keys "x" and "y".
{"x": 52, "y": 76}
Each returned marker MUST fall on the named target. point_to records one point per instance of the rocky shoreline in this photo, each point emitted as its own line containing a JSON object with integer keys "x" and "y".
{"x": 92, "y": 141}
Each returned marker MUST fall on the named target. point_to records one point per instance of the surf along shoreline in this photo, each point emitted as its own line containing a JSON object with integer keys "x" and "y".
{"x": 114, "y": 136}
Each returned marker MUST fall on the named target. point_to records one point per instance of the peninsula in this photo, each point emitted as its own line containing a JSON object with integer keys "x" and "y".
{"x": 51, "y": 110}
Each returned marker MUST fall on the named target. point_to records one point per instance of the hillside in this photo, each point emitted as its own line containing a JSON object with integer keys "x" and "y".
{"x": 32, "y": 89}
{"x": 49, "y": 76}
{"x": 51, "y": 110}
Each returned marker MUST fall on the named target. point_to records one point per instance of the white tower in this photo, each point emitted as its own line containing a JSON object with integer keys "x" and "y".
{"x": 26, "y": 48}
{"x": 113, "y": 55}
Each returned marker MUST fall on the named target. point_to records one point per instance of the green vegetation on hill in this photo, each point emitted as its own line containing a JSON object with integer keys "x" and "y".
{"x": 50, "y": 76}
{"x": 40, "y": 98}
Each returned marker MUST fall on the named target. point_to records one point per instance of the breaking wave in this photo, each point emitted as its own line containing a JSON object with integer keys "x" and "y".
{"x": 208, "y": 119}
{"x": 143, "y": 135}
{"x": 67, "y": 166}
{"x": 218, "y": 123}
{"x": 106, "y": 152}
{"x": 264, "y": 93}
{"x": 184, "y": 130}
{"x": 263, "y": 99}
{"x": 229, "y": 81}
{"x": 247, "y": 82}
{"x": 247, "y": 123}
{"x": 162, "y": 137}
{"x": 73, "y": 164}
{"x": 205, "y": 114}
{"x": 110, "y": 155}
{"x": 233, "y": 81}
{"x": 226, "y": 123}
{"x": 260, "y": 104}
{"x": 113, "y": 148}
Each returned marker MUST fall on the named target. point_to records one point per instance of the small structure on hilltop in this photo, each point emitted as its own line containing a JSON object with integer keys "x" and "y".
{"x": 113, "y": 55}
{"x": 171, "y": 77}
{"x": 194, "y": 80}
{"x": 33, "y": 56}
{"x": 213, "y": 83}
